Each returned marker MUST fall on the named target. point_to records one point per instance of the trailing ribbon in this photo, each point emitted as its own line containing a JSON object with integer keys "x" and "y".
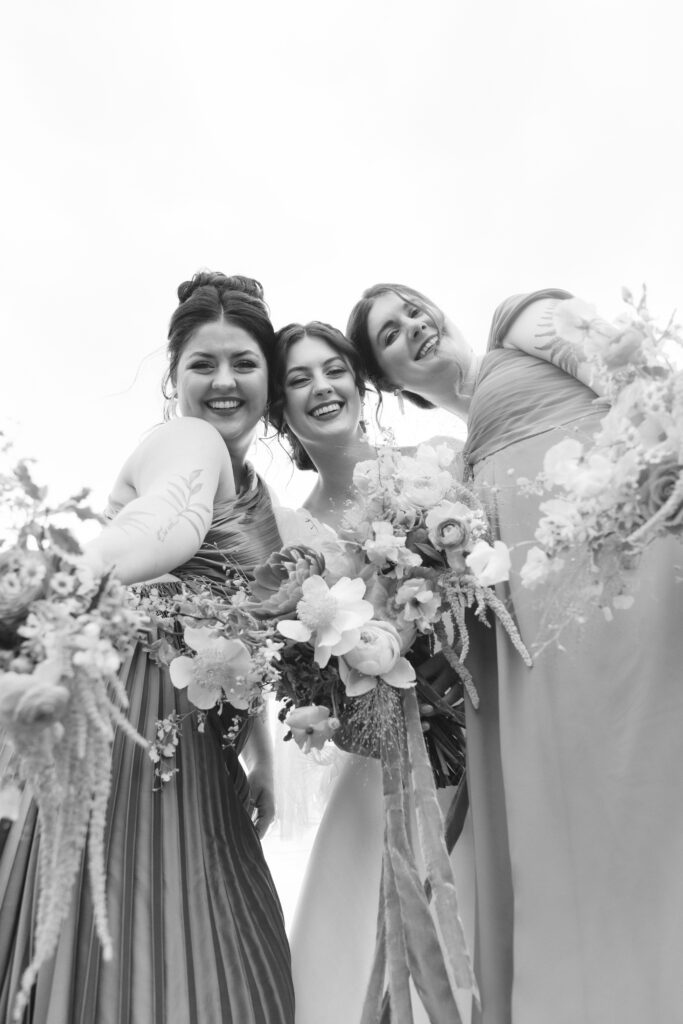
{"x": 419, "y": 937}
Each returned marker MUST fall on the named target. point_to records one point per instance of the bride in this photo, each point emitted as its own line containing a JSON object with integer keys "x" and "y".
{"x": 318, "y": 410}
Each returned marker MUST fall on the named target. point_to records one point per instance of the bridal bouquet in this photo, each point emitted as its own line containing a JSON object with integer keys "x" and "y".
{"x": 215, "y": 650}
{"x": 617, "y": 495}
{"x": 360, "y": 612}
{"x": 63, "y": 634}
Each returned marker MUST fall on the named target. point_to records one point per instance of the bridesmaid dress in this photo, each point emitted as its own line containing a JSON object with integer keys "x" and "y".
{"x": 574, "y": 764}
{"x": 196, "y": 923}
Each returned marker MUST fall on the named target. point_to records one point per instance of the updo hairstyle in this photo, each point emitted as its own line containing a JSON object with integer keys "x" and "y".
{"x": 211, "y": 297}
{"x": 285, "y": 338}
{"x": 357, "y": 333}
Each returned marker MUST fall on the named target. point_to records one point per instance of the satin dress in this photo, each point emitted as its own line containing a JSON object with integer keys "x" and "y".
{"x": 574, "y": 764}
{"x": 197, "y": 928}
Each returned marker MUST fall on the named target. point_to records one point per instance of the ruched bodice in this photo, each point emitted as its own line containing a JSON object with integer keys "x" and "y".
{"x": 517, "y": 397}
{"x": 243, "y": 533}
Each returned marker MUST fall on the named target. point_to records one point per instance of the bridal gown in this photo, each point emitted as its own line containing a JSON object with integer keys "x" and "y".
{"x": 197, "y": 928}
{"x": 335, "y": 921}
{"x": 575, "y": 764}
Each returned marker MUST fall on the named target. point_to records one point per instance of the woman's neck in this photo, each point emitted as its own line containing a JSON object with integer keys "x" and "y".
{"x": 334, "y": 487}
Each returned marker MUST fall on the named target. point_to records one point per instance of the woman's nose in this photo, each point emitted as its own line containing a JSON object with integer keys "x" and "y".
{"x": 416, "y": 327}
{"x": 321, "y": 386}
{"x": 223, "y": 377}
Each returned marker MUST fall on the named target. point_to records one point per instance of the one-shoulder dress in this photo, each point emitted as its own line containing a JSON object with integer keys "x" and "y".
{"x": 197, "y": 929}
{"x": 575, "y": 765}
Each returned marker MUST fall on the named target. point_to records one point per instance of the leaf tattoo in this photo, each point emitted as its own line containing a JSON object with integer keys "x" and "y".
{"x": 180, "y": 498}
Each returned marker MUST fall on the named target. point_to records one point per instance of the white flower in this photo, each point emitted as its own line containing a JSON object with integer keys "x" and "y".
{"x": 418, "y": 603}
{"x": 311, "y": 726}
{"x": 376, "y": 656}
{"x": 387, "y": 548}
{"x": 560, "y": 519}
{"x": 330, "y": 616}
{"x": 490, "y": 565}
{"x": 220, "y": 669}
{"x": 577, "y": 321}
{"x": 538, "y": 567}
{"x": 561, "y": 462}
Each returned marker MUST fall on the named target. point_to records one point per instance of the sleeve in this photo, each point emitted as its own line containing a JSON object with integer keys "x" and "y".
{"x": 508, "y": 311}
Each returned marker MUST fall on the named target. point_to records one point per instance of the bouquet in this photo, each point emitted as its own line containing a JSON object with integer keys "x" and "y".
{"x": 215, "y": 649}
{"x": 359, "y": 613}
{"x": 612, "y": 498}
{"x": 64, "y": 632}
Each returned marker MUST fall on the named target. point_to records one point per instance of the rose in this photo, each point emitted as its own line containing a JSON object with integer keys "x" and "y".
{"x": 311, "y": 726}
{"x": 377, "y": 655}
{"x": 490, "y": 565}
{"x": 377, "y": 651}
{"x": 657, "y": 485}
{"x": 278, "y": 583}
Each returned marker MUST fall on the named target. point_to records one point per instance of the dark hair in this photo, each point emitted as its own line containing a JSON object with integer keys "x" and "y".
{"x": 211, "y": 297}
{"x": 357, "y": 332}
{"x": 285, "y": 338}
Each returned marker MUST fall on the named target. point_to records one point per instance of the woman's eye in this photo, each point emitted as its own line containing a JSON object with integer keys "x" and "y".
{"x": 200, "y": 366}
{"x": 336, "y": 371}
{"x": 413, "y": 311}
{"x": 246, "y": 364}
{"x": 390, "y": 338}
{"x": 295, "y": 382}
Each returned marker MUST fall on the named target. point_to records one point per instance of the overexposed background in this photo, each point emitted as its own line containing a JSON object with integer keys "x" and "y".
{"x": 473, "y": 148}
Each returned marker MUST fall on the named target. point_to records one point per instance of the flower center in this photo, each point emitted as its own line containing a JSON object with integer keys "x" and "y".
{"x": 319, "y": 613}
{"x": 210, "y": 669}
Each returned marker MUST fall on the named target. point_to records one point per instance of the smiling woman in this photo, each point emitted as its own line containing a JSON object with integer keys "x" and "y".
{"x": 196, "y": 925}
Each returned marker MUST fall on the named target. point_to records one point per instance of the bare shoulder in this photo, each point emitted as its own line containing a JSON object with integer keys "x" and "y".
{"x": 532, "y": 322}
{"x": 183, "y": 445}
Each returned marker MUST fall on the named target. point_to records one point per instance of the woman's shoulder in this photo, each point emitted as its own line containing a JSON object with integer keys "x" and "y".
{"x": 180, "y": 446}
{"x": 509, "y": 310}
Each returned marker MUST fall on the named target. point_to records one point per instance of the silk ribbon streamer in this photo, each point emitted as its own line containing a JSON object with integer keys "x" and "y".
{"x": 415, "y": 940}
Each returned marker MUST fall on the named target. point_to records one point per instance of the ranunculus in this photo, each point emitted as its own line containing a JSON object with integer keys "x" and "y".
{"x": 376, "y": 656}
{"x": 448, "y": 524}
{"x": 219, "y": 670}
{"x": 490, "y": 565}
{"x": 657, "y": 484}
{"x": 311, "y": 726}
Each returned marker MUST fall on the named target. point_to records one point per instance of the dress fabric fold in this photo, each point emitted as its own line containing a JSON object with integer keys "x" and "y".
{"x": 197, "y": 928}
{"x": 574, "y": 763}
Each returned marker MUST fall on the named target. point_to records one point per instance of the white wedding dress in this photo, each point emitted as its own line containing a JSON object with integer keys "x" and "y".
{"x": 332, "y": 937}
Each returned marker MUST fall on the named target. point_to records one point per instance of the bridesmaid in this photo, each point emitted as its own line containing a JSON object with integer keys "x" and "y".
{"x": 197, "y": 929}
{"x": 575, "y": 797}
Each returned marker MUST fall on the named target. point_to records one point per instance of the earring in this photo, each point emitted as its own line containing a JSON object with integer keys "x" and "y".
{"x": 171, "y": 409}
{"x": 398, "y": 394}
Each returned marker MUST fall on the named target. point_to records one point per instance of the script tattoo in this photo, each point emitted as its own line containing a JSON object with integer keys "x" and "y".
{"x": 180, "y": 495}
{"x": 568, "y": 355}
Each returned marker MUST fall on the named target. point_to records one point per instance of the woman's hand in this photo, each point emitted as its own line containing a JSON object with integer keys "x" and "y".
{"x": 258, "y": 758}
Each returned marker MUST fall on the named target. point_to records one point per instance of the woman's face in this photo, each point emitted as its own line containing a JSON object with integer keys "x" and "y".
{"x": 416, "y": 349}
{"x": 322, "y": 401}
{"x": 222, "y": 377}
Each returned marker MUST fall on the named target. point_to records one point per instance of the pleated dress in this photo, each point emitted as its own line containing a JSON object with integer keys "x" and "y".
{"x": 574, "y": 764}
{"x": 198, "y": 932}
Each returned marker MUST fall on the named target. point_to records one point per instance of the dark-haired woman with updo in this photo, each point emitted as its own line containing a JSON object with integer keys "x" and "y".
{"x": 197, "y": 929}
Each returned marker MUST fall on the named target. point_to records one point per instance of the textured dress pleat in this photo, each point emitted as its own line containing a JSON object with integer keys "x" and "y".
{"x": 196, "y": 924}
{"x": 574, "y": 764}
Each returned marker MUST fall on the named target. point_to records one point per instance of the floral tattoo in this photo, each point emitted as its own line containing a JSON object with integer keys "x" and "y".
{"x": 181, "y": 497}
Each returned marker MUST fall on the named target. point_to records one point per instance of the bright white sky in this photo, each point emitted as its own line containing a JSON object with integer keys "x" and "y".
{"x": 472, "y": 148}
